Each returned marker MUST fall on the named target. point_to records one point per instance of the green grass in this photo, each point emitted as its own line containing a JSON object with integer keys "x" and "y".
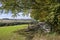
{"x": 7, "y": 33}
{"x": 16, "y": 33}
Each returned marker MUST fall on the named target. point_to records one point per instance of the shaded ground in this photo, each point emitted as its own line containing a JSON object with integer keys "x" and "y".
{"x": 38, "y": 35}
{"x": 29, "y": 35}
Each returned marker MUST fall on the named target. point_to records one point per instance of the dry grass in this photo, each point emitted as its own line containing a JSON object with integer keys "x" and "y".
{"x": 46, "y": 37}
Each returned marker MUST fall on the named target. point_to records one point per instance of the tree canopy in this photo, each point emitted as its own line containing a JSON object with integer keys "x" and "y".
{"x": 42, "y": 10}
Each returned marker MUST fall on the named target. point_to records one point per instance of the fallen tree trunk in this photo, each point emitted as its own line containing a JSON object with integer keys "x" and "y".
{"x": 40, "y": 26}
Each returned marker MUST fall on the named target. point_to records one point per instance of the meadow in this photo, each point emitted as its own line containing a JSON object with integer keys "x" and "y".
{"x": 7, "y": 32}
{"x": 17, "y": 32}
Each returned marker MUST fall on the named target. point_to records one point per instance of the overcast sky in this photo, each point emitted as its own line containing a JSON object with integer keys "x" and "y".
{"x": 9, "y": 15}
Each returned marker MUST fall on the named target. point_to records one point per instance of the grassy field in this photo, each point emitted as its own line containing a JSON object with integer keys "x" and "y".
{"x": 16, "y": 33}
{"x": 7, "y": 33}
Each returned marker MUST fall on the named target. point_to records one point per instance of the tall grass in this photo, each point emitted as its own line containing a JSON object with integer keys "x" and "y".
{"x": 46, "y": 37}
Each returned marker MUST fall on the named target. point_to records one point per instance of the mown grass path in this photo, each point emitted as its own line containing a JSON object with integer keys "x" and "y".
{"x": 7, "y": 33}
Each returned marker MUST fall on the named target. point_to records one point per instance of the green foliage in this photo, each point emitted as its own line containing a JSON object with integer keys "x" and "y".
{"x": 48, "y": 12}
{"x": 42, "y": 10}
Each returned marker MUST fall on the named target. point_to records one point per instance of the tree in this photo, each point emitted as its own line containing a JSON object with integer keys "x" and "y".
{"x": 49, "y": 12}
{"x": 42, "y": 10}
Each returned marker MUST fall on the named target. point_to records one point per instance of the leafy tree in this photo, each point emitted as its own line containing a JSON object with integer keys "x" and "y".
{"x": 42, "y": 10}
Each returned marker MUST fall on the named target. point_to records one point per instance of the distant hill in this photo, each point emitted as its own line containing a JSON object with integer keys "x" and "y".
{"x": 7, "y": 20}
